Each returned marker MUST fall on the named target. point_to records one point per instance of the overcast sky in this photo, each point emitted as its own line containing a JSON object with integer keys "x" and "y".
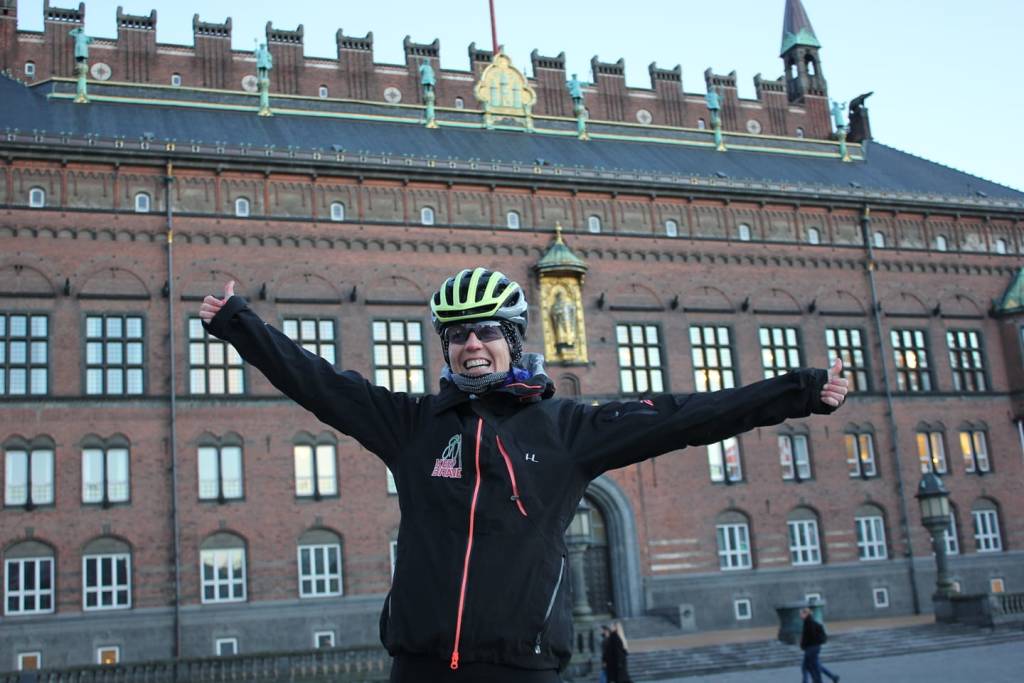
{"x": 947, "y": 74}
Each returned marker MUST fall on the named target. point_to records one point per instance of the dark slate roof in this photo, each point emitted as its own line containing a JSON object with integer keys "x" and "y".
{"x": 885, "y": 169}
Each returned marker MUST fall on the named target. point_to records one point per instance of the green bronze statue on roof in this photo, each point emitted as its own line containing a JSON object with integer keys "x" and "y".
{"x": 81, "y": 43}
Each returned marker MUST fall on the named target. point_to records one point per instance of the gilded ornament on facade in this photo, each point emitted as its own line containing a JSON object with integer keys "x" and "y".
{"x": 505, "y": 93}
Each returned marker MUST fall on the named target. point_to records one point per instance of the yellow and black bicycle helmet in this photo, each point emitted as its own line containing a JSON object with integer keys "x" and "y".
{"x": 478, "y": 294}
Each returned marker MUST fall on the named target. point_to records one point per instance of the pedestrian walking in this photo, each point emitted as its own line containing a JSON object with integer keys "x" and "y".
{"x": 811, "y": 640}
{"x": 605, "y": 632}
{"x": 490, "y": 471}
{"x": 618, "y": 655}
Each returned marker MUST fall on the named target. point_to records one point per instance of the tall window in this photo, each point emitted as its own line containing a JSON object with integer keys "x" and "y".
{"x": 37, "y": 198}
{"x": 142, "y": 202}
{"x": 931, "y": 452}
{"x": 733, "y": 535}
{"x": 322, "y": 91}
{"x": 512, "y": 220}
{"x": 878, "y": 239}
{"x": 911, "y": 357}
{"x": 1000, "y": 246}
{"x": 222, "y": 568}
{"x": 940, "y": 243}
{"x": 337, "y": 211}
{"x": 427, "y": 215}
{"x": 105, "y": 474}
{"x": 106, "y": 575}
{"x": 711, "y": 348}
{"x": 214, "y": 366}
{"x": 28, "y": 579}
{"x": 316, "y": 335}
{"x": 113, "y": 354}
{"x": 952, "y": 538}
{"x": 743, "y": 232}
{"x": 780, "y": 350}
{"x": 315, "y": 474}
{"x": 965, "y": 360}
{"x": 24, "y": 354}
{"x": 724, "y": 461}
{"x": 594, "y": 224}
{"x": 794, "y": 457}
{"x": 848, "y": 345}
{"x": 220, "y": 472}
{"x": 319, "y": 564}
{"x": 640, "y": 368}
{"x": 870, "y": 535}
{"x": 974, "y": 448}
{"x": 804, "y": 545}
{"x": 860, "y": 455}
{"x": 813, "y": 236}
{"x": 28, "y": 475}
{"x": 671, "y": 228}
{"x": 242, "y": 207}
{"x": 398, "y": 355}
{"x": 986, "y": 527}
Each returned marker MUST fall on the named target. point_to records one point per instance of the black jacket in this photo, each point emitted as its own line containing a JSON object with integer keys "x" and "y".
{"x": 813, "y": 634}
{"x": 488, "y": 487}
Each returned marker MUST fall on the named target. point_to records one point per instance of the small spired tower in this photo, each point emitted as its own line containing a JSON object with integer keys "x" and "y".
{"x": 561, "y": 274}
{"x": 800, "y": 53}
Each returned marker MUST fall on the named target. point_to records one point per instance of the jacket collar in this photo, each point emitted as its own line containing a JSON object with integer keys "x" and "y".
{"x": 529, "y": 384}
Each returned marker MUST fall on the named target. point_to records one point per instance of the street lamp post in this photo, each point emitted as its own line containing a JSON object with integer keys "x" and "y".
{"x": 578, "y": 538}
{"x": 933, "y": 498}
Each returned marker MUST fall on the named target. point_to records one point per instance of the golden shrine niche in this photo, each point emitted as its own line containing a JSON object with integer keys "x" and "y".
{"x": 561, "y": 303}
{"x": 505, "y": 94}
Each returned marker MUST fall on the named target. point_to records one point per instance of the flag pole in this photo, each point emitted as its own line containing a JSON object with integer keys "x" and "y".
{"x": 494, "y": 30}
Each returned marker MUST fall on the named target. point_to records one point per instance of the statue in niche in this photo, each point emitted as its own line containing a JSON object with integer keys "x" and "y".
{"x": 563, "y": 320}
{"x": 81, "y": 44}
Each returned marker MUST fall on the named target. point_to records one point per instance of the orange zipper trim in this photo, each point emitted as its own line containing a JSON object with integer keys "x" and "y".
{"x": 469, "y": 551}
{"x": 511, "y": 476}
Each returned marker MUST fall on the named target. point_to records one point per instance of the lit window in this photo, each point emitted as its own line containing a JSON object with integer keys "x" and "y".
{"x": 30, "y": 69}
{"x": 225, "y": 647}
{"x": 880, "y": 596}
{"x": 940, "y": 243}
{"x": 952, "y": 537}
{"x": 28, "y": 477}
{"x": 242, "y": 207}
{"x": 743, "y": 230}
{"x": 671, "y": 228}
{"x": 724, "y": 461}
{"x": 460, "y": 103}
{"x": 142, "y": 203}
{"x": 813, "y": 236}
{"x": 931, "y": 452}
{"x": 974, "y": 447}
{"x": 427, "y": 215}
{"x": 398, "y": 355}
{"x": 24, "y": 354}
{"x": 214, "y": 366}
{"x": 1000, "y": 246}
{"x": 986, "y": 528}
{"x": 28, "y": 585}
{"x": 113, "y": 354}
{"x": 911, "y": 358}
{"x": 860, "y": 455}
{"x": 794, "y": 457}
{"x": 319, "y": 570}
{"x": 711, "y": 349}
{"x": 780, "y": 350}
{"x": 512, "y": 220}
{"x": 30, "y": 661}
{"x": 804, "y": 546}
{"x": 733, "y": 546}
{"x": 108, "y": 655}
{"x": 871, "y": 538}
{"x": 323, "y": 640}
{"x": 741, "y": 608}
{"x": 37, "y": 198}
{"x": 337, "y": 211}
{"x": 315, "y": 335}
{"x": 106, "y": 582}
{"x": 105, "y": 475}
{"x": 878, "y": 239}
{"x": 322, "y": 91}
{"x": 220, "y": 472}
{"x": 965, "y": 360}
{"x": 223, "y": 571}
{"x": 640, "y": 369}
{"x": 176, "y": 80}
{"x": 996, "y": 585}
{"x": 848, "y": 344}
{"x": 594, "y": 224}
{"x": 315, "y": 472}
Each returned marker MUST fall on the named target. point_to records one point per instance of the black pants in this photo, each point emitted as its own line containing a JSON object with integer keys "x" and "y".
{"x": 416, "y": 669}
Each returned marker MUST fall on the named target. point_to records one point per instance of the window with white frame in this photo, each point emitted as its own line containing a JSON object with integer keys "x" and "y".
{"x": 639, "y": 348}
{"x": 671, "y": 228}
{"x": 220, "y": 472}
{"x": 940, "y": 243}
{"x": 225, "y": 647}
{"x": 711, "y": 349}
{"x": 242, "y": 207}
{"x": 880, "y": 596}
{"x": 108, "y": 655}
{"x": 315, "y": 470}
{"x": 398, "y": 355}
{"x": 512, "y": 220}
{"x": 214, "y": 366}
{"x": 28, "y": 579}
{"x": 965, "y": 360}
{"x": 743, "y": 232}
{"x": 860, "y": 455}
{"x": 323, "y": 640}
{"x": 724, "y": 461}
{"x": 931, "y": 452}
{"x": 24, "y": 354}
{"x": 878, "y": 239}
{"x": 176, "y": 80}
{"x": 106, "y": 581}
{"x": 37, "y": 198}
{"x": 30, "y": 69}
{"x": 952, "y": 537}
{"x": 794, "y": 457}
{"x": 911, "y": 358}
{"x": 105, "y": 477}
{"x": 222, "y": 569}
{"x": 741, "y": 609}
{"x": 28, "y": 474}
{"x": 316, "y": 335}
{"x": 594, "y": 224}
{"x": 322, "y": 91}
{"x": 870, "y": 536}
{"x": 143, "y": 202}
{"x": 804, "y": 545}
{"x": 30, "y": 661}
{"x": 986, "y": 527}
{"x": 780, "y": 350}
{"x": 427, "y": 215}
{"x": 460, "y": 103}
{"x": 392, "y": 486}
{"x": 337, "y": 211}
{"x": 733, "y": 546}
{"x": 114, "y": 355}
{"x": 974, "y": 448}
{"x": 848, "y": 344}
{"x": 319, "y": 565}
{"x": 813, "y": 236}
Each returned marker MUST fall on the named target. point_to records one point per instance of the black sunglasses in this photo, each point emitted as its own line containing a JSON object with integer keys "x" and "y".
{"x": 487, "y": 331}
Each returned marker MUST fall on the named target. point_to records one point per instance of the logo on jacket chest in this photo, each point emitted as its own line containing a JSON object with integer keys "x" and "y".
{"x": 449, "y": 465}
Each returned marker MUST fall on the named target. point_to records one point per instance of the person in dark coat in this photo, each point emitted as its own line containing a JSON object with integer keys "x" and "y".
{"x": 811, "y": 640}
{"x": 618, "y": 653}
{"x": 605, "y": 632}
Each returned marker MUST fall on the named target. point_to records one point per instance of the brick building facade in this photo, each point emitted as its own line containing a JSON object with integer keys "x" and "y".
{"x": 162, "y": 499}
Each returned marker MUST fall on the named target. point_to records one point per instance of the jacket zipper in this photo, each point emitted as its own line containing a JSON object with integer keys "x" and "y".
{"x": 551, "y": 605}
{"x": 469, "y": 551}
{"x": 512, "y": 477}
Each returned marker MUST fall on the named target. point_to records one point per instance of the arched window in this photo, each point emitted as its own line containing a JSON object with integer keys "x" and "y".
{"x": 222, "y": 568}
{"x": 37, "y": 198}
{"x": 33, "y": 563}
{"x": 460, "y": 103}
{"x": 427, "y": 215}
{"x": 221, "y": 475}
{"x": 316, "y": 473}
{"x": 804, "y": 544}
{"x": 813, "y": 236}
{"x": 794, "y": 456}
{"x": 744, "y": 232}
{"x": 106, "y": 575}
{"x": 176, "y": 80}
{"x": 1000, "y": 246}
{"x": 812, "y": 69}
{"x": 512, "y": 220}
{"x": 732, "y": 532}
{"x": 878, "y": 239}
{"x": 319, "y": 555}
{"x": 671, "y": 228}
{"x": 724, "y": 461}
{"x": 29, "y": 472}
{"x": 242, "y": 207}
{"x": 701, "y": 124}
{"x": 870, "y": 526}
{"x": 142, "y": 202}
{"x": 860, "y": 452}
{"x": 337, "y": 211}
{"x": 985, "y": 515}
{"x": 594, "y": 224}
{"x": 322, "y": 91}
{"x": 105, "y": 468}
{"x": 793, "y": 70}
{"x": 940, "y": 243}
{"x": 30, "y": 69}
